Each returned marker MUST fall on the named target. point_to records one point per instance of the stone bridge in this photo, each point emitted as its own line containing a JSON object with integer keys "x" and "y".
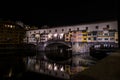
{"x": 42, "y": 46}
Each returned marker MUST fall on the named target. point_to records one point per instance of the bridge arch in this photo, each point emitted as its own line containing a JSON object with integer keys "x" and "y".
{"x": 57, "y": 41}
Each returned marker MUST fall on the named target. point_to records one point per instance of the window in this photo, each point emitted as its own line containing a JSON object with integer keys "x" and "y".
{"x": 89, "y": 38}
{"x": 70, "y": 29}
{"x": 100, "y": 33}
{"x": 62, "y": 30}
{"x": 84, "y": 38}
{"x": 105, "y": 34}
{"x": 89, "y": 34}
{"x": 80, "y": 38}
{"x": 116, "y": 39}
{"x": 86, "y": 28}
{"x": 55, "y": 30}
{"x": 49, "y": 30}
{"x": 106, "y": 39}
{"x": 84, "y": 34}
{"x": 96, "y": 27}
{"x": 111, "y": 38}
{"x": 111, "y": 33}
{"x": 94, "y": 38}
{"x": 99, "y": 38}
{"x": 73, "y": 43}
{"x": 107, "y": 26}
{"x": 94, "y": 34}
{"x": 67, "y": 39}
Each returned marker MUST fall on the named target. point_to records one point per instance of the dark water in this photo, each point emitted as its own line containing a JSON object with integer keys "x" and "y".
{"x": 12, "y": 67}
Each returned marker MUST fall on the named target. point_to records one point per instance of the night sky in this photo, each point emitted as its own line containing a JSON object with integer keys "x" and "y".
{"x": 63, "y": 15}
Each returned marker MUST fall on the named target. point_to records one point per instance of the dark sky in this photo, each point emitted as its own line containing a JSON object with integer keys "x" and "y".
{"x": 62, "y": 15}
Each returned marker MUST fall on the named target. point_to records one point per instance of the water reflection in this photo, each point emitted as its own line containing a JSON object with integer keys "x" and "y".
{"x": 11, "y": 65}
{"x": 62, "y": 68}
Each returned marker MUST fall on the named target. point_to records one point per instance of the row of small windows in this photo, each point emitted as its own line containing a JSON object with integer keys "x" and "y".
{"x": 94, "y": 38}
{"x": 97, "y": 27}
{"x": 100, "y": 38}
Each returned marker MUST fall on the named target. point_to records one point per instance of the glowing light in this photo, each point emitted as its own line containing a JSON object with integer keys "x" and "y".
{"x": 62, "y": 69}
{"x": 55, "y": 35}
{"x": 49, "y": 66}
{"x": 10, "y": 73}
{"x": 55, "y": 68}
{"x": 37, "y": 36}
{"x": 61, "y": 35}
{"x": 37, "y": 66}
{"x": 49, "y": 36}
{"x": 11, "y": 26}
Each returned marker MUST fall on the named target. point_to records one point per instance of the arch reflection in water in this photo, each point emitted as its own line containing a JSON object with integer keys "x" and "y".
{"x": 58, "y": 52}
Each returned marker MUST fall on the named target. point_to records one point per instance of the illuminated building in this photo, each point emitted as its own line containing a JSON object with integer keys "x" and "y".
{"x": 11, "y": 33}
{"x": 92, "y": 33}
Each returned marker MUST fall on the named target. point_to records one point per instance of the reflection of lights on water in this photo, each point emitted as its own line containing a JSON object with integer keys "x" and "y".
{"x": 10, "y": 73}
{"x": 55, "y": 68}
{"x": 49, "y": 66}
{"x": 37, "y": 66}
{"x": 61, "y": 69}
{"x": 61, "y": 51}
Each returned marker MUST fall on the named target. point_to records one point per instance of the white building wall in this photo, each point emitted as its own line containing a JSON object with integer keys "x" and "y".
{"x": 91, "y": 27}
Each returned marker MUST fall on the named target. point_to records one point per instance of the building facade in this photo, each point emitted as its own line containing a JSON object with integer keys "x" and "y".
{"x": 11, "y": 33}
{"x": 105, "y": 33}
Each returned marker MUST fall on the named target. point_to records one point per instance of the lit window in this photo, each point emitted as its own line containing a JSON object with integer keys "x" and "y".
{"x": 55, "y": 67}
{"x": 62, "y": 69}
{"x": 49, "y": 36}
{"x": 55, "y": 35}
{"x": 61, "y": 35}
{"x": 11, "y": 26}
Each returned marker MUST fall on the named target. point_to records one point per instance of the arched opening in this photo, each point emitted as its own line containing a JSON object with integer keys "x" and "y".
{"x": 58, "y": 51}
